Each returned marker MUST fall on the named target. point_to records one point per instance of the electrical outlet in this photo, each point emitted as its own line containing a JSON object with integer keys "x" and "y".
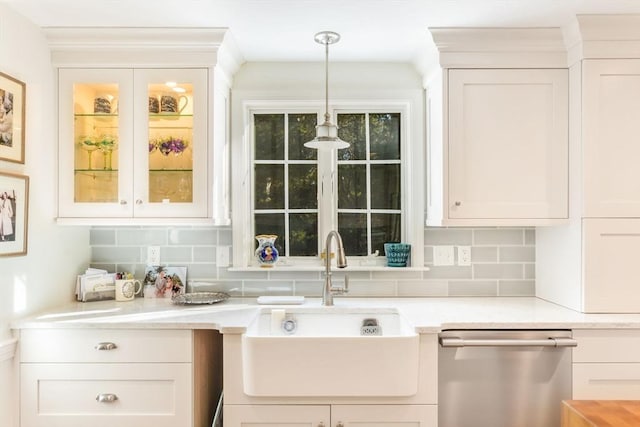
{"x": 464, "y": 255}
{"x": 443, "y": 255}
{"x": 222, "y": 256}
{"x": 153, "y": 255}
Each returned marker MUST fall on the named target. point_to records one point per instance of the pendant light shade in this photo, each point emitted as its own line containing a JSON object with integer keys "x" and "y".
{"x": 326, "y": 133}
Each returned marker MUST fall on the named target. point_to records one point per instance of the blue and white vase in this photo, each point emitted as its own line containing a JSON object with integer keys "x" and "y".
{"x": 266, "y": 253}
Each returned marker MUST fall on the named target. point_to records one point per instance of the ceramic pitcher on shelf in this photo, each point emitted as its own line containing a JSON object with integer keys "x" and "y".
{"x": 266, "y": 253}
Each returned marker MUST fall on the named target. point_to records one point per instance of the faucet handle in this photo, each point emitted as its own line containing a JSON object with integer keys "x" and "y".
{"x": 344, "y": 289}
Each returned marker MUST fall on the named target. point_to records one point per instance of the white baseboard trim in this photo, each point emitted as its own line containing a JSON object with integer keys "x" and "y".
{"x": 7, "y": 349}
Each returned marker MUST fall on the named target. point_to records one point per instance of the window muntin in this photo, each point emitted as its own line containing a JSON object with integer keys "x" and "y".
{"x": 367, "y": 177}
{"x": 285, "y": 176}
{"x": 369, "y": 181}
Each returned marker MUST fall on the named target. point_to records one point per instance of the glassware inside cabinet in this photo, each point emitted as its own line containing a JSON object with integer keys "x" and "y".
{"x": 95, "y": 139}
{"x": 171, "y": 142}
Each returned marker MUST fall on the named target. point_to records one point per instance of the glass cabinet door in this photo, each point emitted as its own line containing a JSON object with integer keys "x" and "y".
{"x": 95, "y": 131}
{"x": 171, "y": 142}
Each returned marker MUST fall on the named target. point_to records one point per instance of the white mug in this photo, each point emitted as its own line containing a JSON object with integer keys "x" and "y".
{"x": 127, "y": 289}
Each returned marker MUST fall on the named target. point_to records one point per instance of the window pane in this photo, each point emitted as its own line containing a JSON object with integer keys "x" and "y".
{"x": 384, "y": 228}
{"x": 385, "y": 187}
{"x": 271, "y": 224}
{"x": 303, "y": 234}
{"x": 269, "y": 130}
{"x": 353, "y": 230}
{"x": 269, "y": 186}
{"x": 352, "y": 187}
{"x": 303, "y": 186}
{"x": 302, "y": 128}
{"x": 384, "y": 130}
{"x": 352, "y": 129}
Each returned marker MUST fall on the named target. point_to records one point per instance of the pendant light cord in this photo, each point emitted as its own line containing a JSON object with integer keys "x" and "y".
{"x": 326, "y": 81}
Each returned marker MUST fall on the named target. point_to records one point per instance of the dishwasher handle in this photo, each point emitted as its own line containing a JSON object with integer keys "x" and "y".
{"x": 497, "y": 342}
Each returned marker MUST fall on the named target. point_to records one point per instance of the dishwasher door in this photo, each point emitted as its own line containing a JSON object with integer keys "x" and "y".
{"x": 497, "y": 378}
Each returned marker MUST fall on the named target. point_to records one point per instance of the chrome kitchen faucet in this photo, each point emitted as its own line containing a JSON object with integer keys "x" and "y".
{"x": 341, "y": 262}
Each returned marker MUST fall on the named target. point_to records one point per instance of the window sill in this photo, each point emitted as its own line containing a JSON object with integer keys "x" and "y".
{"x": 285, "y": 267}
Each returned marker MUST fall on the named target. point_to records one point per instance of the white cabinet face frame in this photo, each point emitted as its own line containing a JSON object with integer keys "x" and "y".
{"x": 132, "y": 143}
{"x": 611, "y": 135}
{"x": 507, "y": 144}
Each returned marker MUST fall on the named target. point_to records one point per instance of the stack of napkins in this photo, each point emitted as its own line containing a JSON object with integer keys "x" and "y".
{"x": 95, "y": 285}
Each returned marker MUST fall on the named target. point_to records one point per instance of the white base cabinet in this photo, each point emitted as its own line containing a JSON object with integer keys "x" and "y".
{"x": 124, "y": 378}
{"x": 331, "y": 415}
{"x": 606, "y": 364}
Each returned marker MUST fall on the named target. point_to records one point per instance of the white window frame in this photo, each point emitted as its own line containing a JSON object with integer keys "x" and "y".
{"x": 412, "y": 167}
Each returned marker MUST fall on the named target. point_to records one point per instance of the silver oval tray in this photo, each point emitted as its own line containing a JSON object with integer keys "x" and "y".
{"x": 200, "y": 298}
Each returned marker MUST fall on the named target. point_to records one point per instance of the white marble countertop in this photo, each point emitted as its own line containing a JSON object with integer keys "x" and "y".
{"x": 428, "y": 315}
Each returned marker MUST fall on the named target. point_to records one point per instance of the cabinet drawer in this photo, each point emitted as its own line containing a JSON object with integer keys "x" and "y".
{"x": 80, "y": 345}
{"x": 619, "y": 381}
{"x": 65, "y": 395}
{"x": 607, "y": 345}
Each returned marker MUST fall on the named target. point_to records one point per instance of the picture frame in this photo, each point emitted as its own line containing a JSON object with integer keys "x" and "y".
{"x": 14, "y": 214}
{"x": 164, "y": 281}
{"x": 12, "y": 119}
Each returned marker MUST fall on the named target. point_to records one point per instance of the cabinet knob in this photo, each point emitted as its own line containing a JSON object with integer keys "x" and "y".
{"x": 106, "y": 346}
{"x": 340, "y": 424}
{"x": 106, "y": 398}
{"x": 123, "y": 202}
{"x": 138, "y": 201}
{"x": 458, "y": 203}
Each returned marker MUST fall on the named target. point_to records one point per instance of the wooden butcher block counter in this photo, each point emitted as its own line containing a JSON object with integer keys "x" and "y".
{"x": 601, "y": 413}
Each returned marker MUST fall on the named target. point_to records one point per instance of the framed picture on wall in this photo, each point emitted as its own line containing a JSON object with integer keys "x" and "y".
{"x": 14, "y": 210}
{"x": 12, "y": 112}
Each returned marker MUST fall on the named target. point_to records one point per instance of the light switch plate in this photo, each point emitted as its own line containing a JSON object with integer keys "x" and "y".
{"x": 443, "y": 255}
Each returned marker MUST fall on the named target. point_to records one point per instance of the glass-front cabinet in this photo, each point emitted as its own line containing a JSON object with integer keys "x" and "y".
{"x": 133, "y": 143}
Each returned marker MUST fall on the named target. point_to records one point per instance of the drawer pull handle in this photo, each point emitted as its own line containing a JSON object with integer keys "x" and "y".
{"x": 340, "y": 424}
{"x": 106, "y": 346}
{"x": 106, "y": 398}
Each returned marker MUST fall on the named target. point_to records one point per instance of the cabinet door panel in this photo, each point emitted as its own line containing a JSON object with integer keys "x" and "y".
{"x": 595, "y": 381}
{"x": 171, "y": 143}
{"x": 276, "y": 415}
{"x": 611, "y": 125}
{"x": 384, "y": 415}
{"x": 611, "y": 275}
{"x": 508, "y": 144}
{"x": 95, "y": 137}
{"x": 146, "y": 395}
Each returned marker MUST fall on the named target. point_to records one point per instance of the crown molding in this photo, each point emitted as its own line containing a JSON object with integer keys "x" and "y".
{"x": 500, "y": 47}
{"x": 598, "y": 36}
{"x": 134, "y": 46}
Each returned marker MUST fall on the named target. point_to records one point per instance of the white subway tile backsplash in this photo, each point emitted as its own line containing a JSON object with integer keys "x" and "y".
{"x": 99, "y": 237}
{"x": 503, "y": 263}
{"x": 193, "y": 236}
{"x": 423, "y": 288}
{"x": 141, "y": 237}
{"x": 110, "y": 254}
{"x": 486, "y": 288}
{"x": 498, "y": 271}
{"x": 517, "y": 254}
{"x": 498, "y": 236}
{"x": 448, "y": 272}
{"x": 484, "y": 254}
{"x": 516, "y": 288}
{"x": 447, "y": 236}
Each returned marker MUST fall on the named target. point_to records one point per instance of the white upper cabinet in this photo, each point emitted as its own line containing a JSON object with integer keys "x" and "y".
{"x": 112, "y": 165}
{"x": 611, "y": 137}
{"x": 497, "y": 142}
{"x": 143, "y": 127}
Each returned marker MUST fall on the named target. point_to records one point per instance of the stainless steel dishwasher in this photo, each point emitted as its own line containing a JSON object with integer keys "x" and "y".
{"x": 500, "y": 378}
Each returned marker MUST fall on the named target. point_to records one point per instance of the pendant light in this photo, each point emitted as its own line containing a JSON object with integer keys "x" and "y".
{"x": 326, "y": 133}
